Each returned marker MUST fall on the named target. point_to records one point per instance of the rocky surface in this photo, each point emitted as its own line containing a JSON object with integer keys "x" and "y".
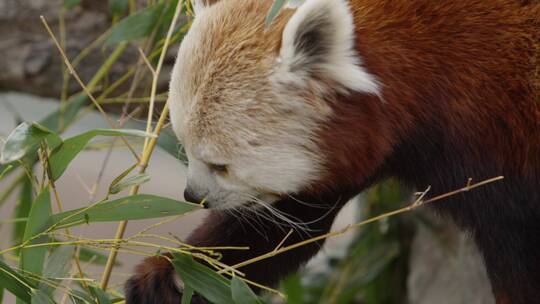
{"x": 30, "y": 62}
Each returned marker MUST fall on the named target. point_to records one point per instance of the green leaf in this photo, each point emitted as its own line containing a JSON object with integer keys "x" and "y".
{"x": 118, "y": 7}
{"x": 168, "y": 15}
{"x": 101, "y": 296}
{"x": 15, "y": 283}
{"x": 129, "y": 182}
{"x": 274, "y": 11}
{"x": 58, "y": 120}
{"x": 57, "y": 265}
{"x": 207, "y": 283}
{"x": 62, "y": 156}
{"x": 123, "y": 175}
{"x": 69, "y": 4}
{"x": 168, "y": 142}
{"x": 136, "y": 26}
{"x": 94, "y": 257}
{"x": 90, "y": 255}
{"x": 24, "y": 139}
{"x": 293, "y": 288}
{"x": 5, "y": 171}
{"x": 23, "y": 209}
{"x": 242, "y": 294}
{"x": 135, "y": 207}
{"x": 187, "y": 294}
{"x": 40, "y": 297}
{"x": 79, "y": 297}
{"x": 32, "y": 259}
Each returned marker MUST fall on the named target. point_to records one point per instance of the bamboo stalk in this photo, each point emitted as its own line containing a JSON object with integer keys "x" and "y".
{"x": 147, "y": 150}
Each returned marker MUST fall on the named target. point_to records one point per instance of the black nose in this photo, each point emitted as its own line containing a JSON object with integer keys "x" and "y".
{"x": 190, "y": 197}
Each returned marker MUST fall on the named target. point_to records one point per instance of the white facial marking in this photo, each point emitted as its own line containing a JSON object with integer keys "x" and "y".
{"x": 198, "y": 6}
{"x": 235, "y": 103}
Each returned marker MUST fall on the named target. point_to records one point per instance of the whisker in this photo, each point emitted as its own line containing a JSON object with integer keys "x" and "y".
{"x": 306, "y": 203}
{"x": 288, "y": 222}
{"x": 246, "y": 219}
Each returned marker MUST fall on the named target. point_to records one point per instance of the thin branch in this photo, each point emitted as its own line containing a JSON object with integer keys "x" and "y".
{"x": 148, "y": 64}
{"x": 412, "y": 206}
{"x": 83, "y": 86}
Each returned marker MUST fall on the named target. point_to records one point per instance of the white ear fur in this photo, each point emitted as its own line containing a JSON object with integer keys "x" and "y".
{"x": 199, "y": 6}
{"x": 319, "y": 41}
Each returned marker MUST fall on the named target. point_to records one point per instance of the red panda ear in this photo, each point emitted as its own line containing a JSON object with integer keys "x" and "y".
{"x": 319, "y": 43}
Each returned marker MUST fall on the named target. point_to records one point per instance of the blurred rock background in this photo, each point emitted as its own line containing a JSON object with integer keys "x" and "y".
{"x": 29, "y": 60}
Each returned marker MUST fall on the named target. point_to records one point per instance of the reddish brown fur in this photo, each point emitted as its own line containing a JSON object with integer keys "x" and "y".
{"x": 467, "y": 73}
{"x": 461, "y": 98}
{"x": 153, "y": 280}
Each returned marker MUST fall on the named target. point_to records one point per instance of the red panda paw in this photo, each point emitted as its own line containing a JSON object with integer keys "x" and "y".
{"x": 154, "y": 282}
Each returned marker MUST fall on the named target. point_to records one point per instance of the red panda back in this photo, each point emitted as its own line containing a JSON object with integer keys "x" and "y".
{"x": 471, "y": 68}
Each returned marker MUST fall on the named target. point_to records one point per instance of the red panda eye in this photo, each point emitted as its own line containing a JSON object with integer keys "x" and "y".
{"x": 222, "y": 169}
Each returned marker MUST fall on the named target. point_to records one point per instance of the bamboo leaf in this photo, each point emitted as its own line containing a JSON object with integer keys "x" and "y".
{"x": 123, "y": 175}
{"x": 15, "y": 283}
{"x": 242, "y": 294}
{"x": 69, "y": 4}
{"x": 25, "y": 139}
{"x": 129, "y": 182}
{"x": 57, "y": 265}
{"x": 32, "y": 259}
{"x": 136, "y": 26}
{"x": 23, "y": 209}
{"x": 187, "y": 294}
{"x": 274, "y": 11}
{"x": 94, "y": 257}
{"x": 58, "y": 120}
{"x": 135, "y": 207}
{"x": 62, "y": 156}
{"x": 293, "y": 288}
{"x": 101, "y": 296}
{"x": 118, "y": 7}
{"x": 79, "y": 297}
{"x": 168, "y": 142}
{"x": 5, "y": 171}
{"x": 40, "y": 297}
{"x": 207, "y": 283}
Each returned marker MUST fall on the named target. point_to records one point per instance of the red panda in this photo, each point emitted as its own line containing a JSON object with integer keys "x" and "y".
{"x": 286, "y": 124}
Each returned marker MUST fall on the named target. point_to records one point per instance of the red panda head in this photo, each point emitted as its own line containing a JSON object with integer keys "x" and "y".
{"x": 249, "y": 103}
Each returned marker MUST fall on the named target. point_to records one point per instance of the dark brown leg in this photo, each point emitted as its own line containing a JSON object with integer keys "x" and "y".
{"x": 260, "y": 231}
